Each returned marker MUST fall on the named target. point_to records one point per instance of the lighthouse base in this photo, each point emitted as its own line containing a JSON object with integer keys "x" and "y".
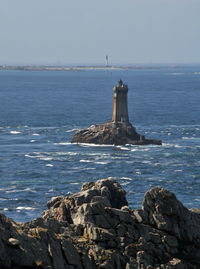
{"x": 111, "y": 133}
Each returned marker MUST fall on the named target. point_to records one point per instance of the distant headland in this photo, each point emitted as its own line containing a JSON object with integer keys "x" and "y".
{"x": 80, "y": 67}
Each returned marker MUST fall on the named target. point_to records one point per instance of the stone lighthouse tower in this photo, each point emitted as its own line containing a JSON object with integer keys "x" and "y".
{"x": 120, "y": 106}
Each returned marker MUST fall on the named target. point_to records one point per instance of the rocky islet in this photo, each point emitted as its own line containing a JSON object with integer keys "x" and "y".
{"x": 119, "y": 131}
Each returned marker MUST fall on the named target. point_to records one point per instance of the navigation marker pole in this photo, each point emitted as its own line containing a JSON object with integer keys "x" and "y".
{"x": 106, "y": 60}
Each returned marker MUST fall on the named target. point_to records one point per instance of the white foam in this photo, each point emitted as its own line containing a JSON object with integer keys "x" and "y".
{"x": 171, "y": 145}
{"x": 44, "y": 158}
{"x": 72, "y": 130}
{"x": 60, "y": 153}
{"x": 25, "y": 208}
{"x": 24, "y": 190}
{"x": 178, "y": 146}
{"x": 141, "y": 149}
{"x": 63, "y": 143}
{"x": 189, "y": 138}
{"x": 146, "y": 161}
{"x": 93, "y": 145}
{"x": 85, "y": 161}
{"x": 135, "y": 149}
{"x": 35, "y": 134}
{"x": 32, "y": 141}
{"x": 49, "y": 165}
{"x": 71, "y": 153}
{"x": 51, "y": 190}
{"x": 119, "y": 158}
{"x": 15, "y": 132}
{"x": 126, "y": 178}
{"x": 101, "y": 162}
{"x": 123, "y": 148}
{"x": 5, "y": 209}
{"x": 39, "y": 155}
{"x": 125, "y": 183}
{"x": 30, "y": 156}
{"x": 98, "y": 154}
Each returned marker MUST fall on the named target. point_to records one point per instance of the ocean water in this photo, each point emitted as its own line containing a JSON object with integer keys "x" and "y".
{"x": 40, "y": 112}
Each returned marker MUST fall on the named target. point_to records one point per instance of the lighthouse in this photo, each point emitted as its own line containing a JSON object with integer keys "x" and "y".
{"x": 120, "y": 106}
{"x": 119, "y": 131}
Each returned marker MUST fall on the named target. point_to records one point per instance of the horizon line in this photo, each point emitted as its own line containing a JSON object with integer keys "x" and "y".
{"x": 96, "y": 64}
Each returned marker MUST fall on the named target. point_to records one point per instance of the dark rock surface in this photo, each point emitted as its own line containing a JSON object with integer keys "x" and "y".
{"x": 112, "y": 134}
{"x": 95, "y": 228}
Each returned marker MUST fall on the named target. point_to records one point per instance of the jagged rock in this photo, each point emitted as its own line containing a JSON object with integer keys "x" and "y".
{"x": 166, "y": 213}
{"x": 96, "y": 229}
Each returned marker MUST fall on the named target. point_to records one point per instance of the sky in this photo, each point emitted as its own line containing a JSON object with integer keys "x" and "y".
{"x": 73, "y": 32}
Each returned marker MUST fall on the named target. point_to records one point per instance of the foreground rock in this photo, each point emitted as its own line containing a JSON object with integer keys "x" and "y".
{"x": 112, "y": 134}
{"x": 95, "y": 228}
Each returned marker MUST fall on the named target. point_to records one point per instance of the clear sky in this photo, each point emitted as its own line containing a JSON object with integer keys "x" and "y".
{"x": 85, "y": 31}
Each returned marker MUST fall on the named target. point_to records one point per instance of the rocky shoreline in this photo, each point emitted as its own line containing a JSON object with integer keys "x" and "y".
{"x": 95, "y": 228}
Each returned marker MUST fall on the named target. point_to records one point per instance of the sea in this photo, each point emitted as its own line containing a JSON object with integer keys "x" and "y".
{"x": 40, "y": 111}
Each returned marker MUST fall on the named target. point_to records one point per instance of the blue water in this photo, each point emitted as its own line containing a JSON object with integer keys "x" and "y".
{"x": 40, "y": 112}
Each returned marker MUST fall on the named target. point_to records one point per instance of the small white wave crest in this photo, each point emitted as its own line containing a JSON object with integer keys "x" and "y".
{"x": 123, "y": 148}
{"x": 101, "y": 162}
{"x": 44, "y": 158}
{"x": 93, "y": 145}
{"x": 25, "y": 208}
{"x": 126, "y": 178}
{"x": 72, "y": 130}
{"x": 15, "y": 132}
{"x": 23, "y": 190}
{"x": 63, "y": 143}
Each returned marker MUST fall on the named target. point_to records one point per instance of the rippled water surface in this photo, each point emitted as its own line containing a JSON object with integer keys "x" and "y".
{"x": 40, "y": 112}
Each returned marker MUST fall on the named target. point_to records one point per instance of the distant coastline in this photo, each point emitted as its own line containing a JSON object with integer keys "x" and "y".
{"x": 80, "y": 68}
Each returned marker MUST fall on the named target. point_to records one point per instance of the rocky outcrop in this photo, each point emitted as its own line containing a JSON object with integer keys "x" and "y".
{"x": 95, "y": 229}
{"x": 112, "y": 134}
